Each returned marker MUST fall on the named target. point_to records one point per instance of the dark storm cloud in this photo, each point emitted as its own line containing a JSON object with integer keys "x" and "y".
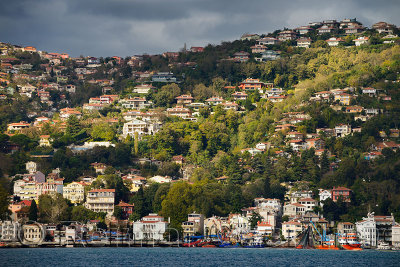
{"x": 123, "y": 27}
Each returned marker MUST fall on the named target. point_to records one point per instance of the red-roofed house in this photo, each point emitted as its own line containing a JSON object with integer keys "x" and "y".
{"x": 184, "y": 99}
{"x": 264, "y": 228}
{"x": 361, "y": 40}
{"x": 127, "y": 209}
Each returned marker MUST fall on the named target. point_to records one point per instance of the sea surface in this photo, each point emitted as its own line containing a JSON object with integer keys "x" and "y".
{"x": 194, "y": 257}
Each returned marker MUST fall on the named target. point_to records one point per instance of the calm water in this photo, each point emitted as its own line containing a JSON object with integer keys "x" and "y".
{"x": 194, "y": 257}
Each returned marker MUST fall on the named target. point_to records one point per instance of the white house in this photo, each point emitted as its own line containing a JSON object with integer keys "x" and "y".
{"x": 304, "y": 42}
{"x": 366, "y": 230}
{"x": 361, "y": 40}
{"x": 264, "y": 228}
{"x": 396, "y": 236}
{"x": 324, "y": 194}
{"x": 31, "y": 167}
{"x": 150, "y": 227}
{"x": 334, "y": 41}
{"x": 160, "y": 179}
{"x": 342, "y": 130}
{"x": 239, "y": 224}
{"x": 141, "y": 127}
{"x": 309, "y": 203}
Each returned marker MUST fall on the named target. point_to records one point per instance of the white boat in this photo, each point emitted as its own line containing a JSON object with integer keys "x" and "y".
{"x": 383, "y": 246}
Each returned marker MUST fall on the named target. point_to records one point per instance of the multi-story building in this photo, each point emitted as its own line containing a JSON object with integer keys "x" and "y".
{"x": 304, "y": 42}
{"x": 194, "y": 225}
{"x": 31, "y": 167}
{"x": 150, "y": 227}
{"x": 179, "y": 111}
{"x": 251, "y": 84}
{"x": 374, "y": 229}
{"x": 342, "y": 192}
{"x": 127, "y": 209}
{"x": 334, "y": 41}
{"x": 309, "y": 203}
{"x": 241, "y": 56}
{"x": 101, "y": 200}
{"x": 342, "y": 130}
{"x": 269, "y": 41}
{"x": 294, "y": 209}
{"x": 9, "y": 231}
{"x": 295, "y": 196}
{"x": 291, "y": 229}
{"x": 141, "y": 127}
{"x": 33, "y": 233}
{"x": 238, "y": 224}
{"x": 344, "y": 228}
{"x": 75, "y": 192}
{"x": 396, "y": 236}
{"x": 135, "y": 103}
{"x": 287, "y": 35}
{"x": 184, "y": 99}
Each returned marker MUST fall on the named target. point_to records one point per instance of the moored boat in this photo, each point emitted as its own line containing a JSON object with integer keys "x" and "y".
{"x": 349, "y": 242}
{"x": 383, "y": 246}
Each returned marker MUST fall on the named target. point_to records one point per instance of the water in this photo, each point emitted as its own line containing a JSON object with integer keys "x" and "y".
{"x": 194, "y": 257}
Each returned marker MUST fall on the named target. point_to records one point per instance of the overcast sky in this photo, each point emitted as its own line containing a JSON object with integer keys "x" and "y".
{"x": 129, "y": 27}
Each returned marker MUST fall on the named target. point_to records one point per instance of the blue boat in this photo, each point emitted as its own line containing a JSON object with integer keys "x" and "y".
{"x": 229, "y": 245}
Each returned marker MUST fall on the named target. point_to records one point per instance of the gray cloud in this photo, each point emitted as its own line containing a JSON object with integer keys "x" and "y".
{"x": 127, "y": 27}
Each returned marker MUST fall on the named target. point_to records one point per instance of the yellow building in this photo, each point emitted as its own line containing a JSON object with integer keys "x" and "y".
{"x": 343, "y": 98}
{"x": 75, "y": 192}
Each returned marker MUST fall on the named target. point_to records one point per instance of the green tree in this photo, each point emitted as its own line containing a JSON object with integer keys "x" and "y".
{"x": 118, "y": 213}
{"x": 52, "y": 208}
{"x": 4, "y": 202}
{"x": 178, "y": 203}
{"x": 254, "y": 219}
{"x": 102, "y": 131}
{"x": 33, "y": 211}
{"x": 73, "y": 125}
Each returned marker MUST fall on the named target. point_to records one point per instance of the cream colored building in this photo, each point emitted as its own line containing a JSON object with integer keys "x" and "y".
{"x": 75, "y": 192}
{"x": 101, "y": 200}
{"x": 291, "y": 229}
{"x": 33, "y": 233}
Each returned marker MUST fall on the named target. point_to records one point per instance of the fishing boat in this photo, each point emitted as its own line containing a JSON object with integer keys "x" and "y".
{"x": 328, "y": 245}
{"x": 256, "y": 243}
{"x": 349, "y": 242}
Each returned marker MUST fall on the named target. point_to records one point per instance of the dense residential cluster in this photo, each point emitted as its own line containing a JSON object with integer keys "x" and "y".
{"x": 252, "y": 141}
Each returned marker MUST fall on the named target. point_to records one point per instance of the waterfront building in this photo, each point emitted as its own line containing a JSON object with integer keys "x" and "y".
{"x": 291, "y": 229}
{"x": 150, "y": 227}
{"x": 194, "y": 225}
{"x": 33, "y": 233}
{"x": 9, "y": 231}
{"x": 345, "y": 228}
